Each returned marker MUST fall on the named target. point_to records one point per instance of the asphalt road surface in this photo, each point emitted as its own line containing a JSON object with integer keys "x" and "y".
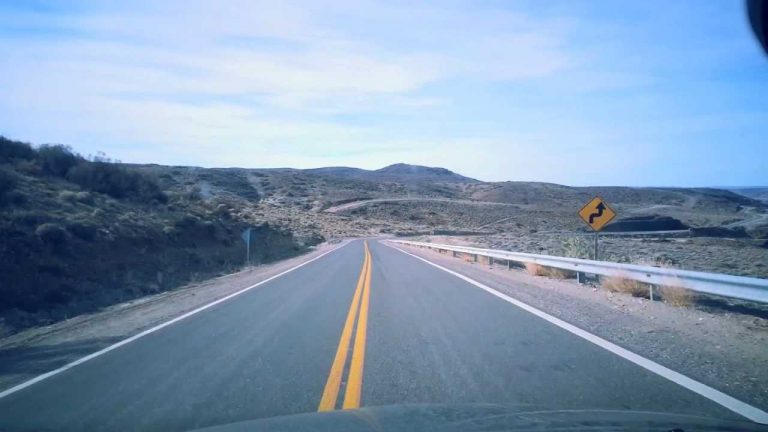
{"x": 353, "y": 328}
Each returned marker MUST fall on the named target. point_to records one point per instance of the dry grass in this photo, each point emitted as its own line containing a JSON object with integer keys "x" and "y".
{"x": 559, "y": 273}
{"x": 534, "y": 269}
{"x": 625, "y": 285}
{"x": 674, "y": 293}
{"x": 540, "y": 270}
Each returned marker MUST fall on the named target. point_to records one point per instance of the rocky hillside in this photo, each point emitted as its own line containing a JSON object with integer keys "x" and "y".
{"x": 77, "y": 234}
{"x": 400, "y": 199}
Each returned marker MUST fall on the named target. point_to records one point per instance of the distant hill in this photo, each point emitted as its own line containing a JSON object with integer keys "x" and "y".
{"x": 550, "y": 194}
{"x": 757, "y": 192}
{"x": 397, "y": 173}
{"x": 339, "y": 171}
{"x": 422, "y": 173}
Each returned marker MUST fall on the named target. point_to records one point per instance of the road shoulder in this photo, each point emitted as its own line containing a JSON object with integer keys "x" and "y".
{"x": 723, "y": 350}
{"x": 39, "y": 350}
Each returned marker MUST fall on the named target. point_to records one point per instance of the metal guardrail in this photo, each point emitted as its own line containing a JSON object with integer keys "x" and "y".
{"x": 740, "y": 287}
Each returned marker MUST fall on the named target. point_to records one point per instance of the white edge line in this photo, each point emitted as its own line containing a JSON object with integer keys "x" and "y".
{"x": 103, "y": 351}
{"x": 752, "y": 413}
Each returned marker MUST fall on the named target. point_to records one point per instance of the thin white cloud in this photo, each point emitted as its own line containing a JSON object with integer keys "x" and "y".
{"x": 480, "y": 88}
{"x": 194, "y": 76}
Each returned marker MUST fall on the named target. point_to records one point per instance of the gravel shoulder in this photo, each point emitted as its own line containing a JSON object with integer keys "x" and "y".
{"x": 725, "y": 350}
{"x": 38, "y": 350}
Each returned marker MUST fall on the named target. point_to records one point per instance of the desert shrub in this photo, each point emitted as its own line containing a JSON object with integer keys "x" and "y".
{"x": 51, "y": 233}
{"x": 28, "y": 167}
{"x": 68, "y": 196}
{"x": 16, "y": 197}
{"x": 534, "y": 269}
{"x": 578, "y": 247}
{"x": 116, "y": 181}
{"x": 10, "y": 149}
{"x": 222, "y": 210}
{"x": 76, "y": 197}
{"x": 559, "y": 273}
{"x": 674, "y": 293}
{"x": 540, "y": 270}
{"x": 170, "y": 231}
{"x": 82, "y": 230}
{"x": 57, "y": 159}
{"x": 208, "y": 227}
{"x": 192, "y": 193}
{"x": 30, "y": 218}
{"x": 7, "y": 182}
{"x": 623, "y": 259}
{"x": 186, "y": 221}
{"x": 625, "y": 285}
{"x": 665, "y": 260}
{"x": 85, "y": 197}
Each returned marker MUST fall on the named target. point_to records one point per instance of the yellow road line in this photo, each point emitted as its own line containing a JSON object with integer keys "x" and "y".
{"x": 355, "y": 379}
{"x": 332, "y": 385}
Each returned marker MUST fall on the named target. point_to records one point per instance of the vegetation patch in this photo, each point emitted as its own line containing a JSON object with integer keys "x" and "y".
{"x": 676, "y": 294}
{"x": 555, "y": 273}
{"x": 625, "y": 285}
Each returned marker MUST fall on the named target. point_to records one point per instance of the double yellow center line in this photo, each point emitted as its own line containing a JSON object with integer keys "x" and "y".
{"x": 354, "y": 383}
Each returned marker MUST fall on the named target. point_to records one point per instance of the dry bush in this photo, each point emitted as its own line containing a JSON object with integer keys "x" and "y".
{"x": 68, "y": 196}
{"x": 559, "y": 273}
{"x": 467, "y": 257}
{"x": 625, "y": 285}
{"x": 534, "y": 269}
{"x": 578, "y": 247}
{"x": 51, "y": 233}
{"x": 540, "y": 270}
{"x": 674, "y": 293}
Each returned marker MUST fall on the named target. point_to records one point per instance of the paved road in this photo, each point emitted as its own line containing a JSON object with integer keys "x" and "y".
{"x": 430, "y": 337}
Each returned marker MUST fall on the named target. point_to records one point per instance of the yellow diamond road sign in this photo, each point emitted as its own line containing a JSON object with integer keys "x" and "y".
{"x": 597, "y": 213}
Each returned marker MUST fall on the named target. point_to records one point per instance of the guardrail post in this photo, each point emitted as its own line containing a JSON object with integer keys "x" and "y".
{"x": 509, "y": 264}
{"x": 474, "y": 257}
{"x": 650, "y": 291}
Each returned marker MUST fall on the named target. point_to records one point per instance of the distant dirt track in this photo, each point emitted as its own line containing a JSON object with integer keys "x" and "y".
{"x": 361, "y": 203}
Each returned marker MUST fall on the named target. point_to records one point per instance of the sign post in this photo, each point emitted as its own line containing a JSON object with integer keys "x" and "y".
{"x": 247, "y": 239}
{"x": 597, "y": 234}
{"x": 596, "y": 214}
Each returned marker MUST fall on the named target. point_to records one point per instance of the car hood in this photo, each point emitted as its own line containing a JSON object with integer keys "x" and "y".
{"x": 484, "y": 417}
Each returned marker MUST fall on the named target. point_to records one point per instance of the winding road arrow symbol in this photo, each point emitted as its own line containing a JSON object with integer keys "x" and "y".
{"x": 600, "y": 208}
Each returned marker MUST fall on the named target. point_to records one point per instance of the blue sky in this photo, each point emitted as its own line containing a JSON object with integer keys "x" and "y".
{"x": 572, "y": 92}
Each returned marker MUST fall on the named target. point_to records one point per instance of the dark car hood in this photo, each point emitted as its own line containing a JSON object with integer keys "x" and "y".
{"x": 484, "y": 417}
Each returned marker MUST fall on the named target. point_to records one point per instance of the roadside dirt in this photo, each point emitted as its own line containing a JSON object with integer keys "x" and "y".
{"x": 38, "y": 350}
{"x": 722, "y": 349}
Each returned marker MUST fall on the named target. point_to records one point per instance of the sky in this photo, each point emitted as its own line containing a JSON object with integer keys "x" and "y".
{"x": 650, "y": 93}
